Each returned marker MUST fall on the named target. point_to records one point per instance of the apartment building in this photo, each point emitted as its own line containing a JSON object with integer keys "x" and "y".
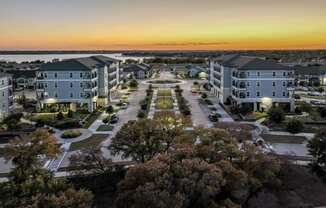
{"x": 77, "y": 83}
{"x": 251, "y": 81}
{"x": 6, "y": 95}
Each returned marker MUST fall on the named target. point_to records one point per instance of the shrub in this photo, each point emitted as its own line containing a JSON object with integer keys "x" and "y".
{"x": 141, "y": 114}
{"x": 109, "y": 109}
{"x": 204, "y": 95}
{"x": 228, "y": 101}
{"x": 73, "y": 133}
{"x": 276, "y": 115}
{"x": 133, "y": 83}
{"x": 106, "y": 120}
{"x": 294, "y": 126}
{"x": 60, "y": 116}
{"x": 67, "y": 124}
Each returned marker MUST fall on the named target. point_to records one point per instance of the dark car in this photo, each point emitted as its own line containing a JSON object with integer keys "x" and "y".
{"x": 213, "y": 117}
{"x": 114, "y": 119}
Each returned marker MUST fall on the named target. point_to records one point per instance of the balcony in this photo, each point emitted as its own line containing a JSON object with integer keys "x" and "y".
{"x": 217, "y": 69}
{"x": 239, "y": 85}
{"x": 238, "y": 75}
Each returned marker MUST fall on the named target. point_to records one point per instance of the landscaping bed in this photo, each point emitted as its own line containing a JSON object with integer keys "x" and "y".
{"x": 164, "y": 81}
{"x": 164, "y": 93}
{"x": 241, "y": 132}
{"x": 92, "y": 141}
{"x": 72, "y": 133}
{"x": 283, "y": 139}
{"x": 105, "y": 128}
{"x": 164, "y": 103}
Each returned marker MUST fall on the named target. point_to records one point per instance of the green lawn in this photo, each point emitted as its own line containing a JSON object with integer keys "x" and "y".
{"x": 164, "y": 92}
{"x": 44, "y": 116}
{"x": 94, "y": 140}
{"x": 164, "y": 103}
{"x": 105, "y": 128}
{"x": 91, "y": 118}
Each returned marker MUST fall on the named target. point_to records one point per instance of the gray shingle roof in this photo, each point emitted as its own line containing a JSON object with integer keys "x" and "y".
{"x": 250, "y": 63}
{"x": 78, "y": 64}
{"x": 137, "y": 67}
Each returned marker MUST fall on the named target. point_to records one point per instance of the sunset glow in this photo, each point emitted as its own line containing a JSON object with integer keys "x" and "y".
{"x": 162, "y": 24}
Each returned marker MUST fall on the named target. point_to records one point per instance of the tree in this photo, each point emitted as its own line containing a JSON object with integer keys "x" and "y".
{"x": 320, "y": 89}
{"x": 91, "y": 160}
{"x": 70, "y": 113}
{"x": 140, "y": 140}
{"x": 276, "y": 115}
{"x": 305, "y": 107}
{"x": 133, "y": 83}
{"x": 317, "y": 148}
{"x": 184, "y": 178}
{"x": 30, "y": 185}
{"x": 294, "y": 126}
{"x": 110, "y": 109}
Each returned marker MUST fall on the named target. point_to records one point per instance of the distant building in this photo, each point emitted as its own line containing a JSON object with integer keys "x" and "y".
{"x": 193, "y": 71}
{"x": 251, "y": 81}
{"x": 139, "y": 71}
{"x": 310, "y": 75}
{"x": 6, "y": 95}
{"x": 77, "y": 83}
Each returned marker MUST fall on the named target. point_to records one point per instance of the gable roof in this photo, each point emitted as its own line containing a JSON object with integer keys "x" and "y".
{"x": 23, "y": 73}
{"x": 250, "y": 63}
{"x": 137, "y": 67}
{"x": 78, "y": 64}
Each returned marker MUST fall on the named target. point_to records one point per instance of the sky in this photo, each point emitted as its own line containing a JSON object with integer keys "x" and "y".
{"x": 162, "y": 24}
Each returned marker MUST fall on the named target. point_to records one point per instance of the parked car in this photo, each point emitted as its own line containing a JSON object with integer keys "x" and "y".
{"x": 114, "y": 119}
{"x": 314, "y": 93}
{"x": 213, "y": 116}
{"x": 316, "y": 102}
{"x": 124, "y": 106}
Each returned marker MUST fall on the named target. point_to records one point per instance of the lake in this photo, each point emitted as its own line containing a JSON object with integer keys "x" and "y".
{"x": 49, "y": 57}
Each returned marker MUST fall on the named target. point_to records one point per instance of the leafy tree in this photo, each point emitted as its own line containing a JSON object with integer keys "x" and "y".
{"x": 110, "y": 109}
{"x": 322, "y": 111}
{"x": 204, "y": 95}
{"x": 294, "y": 126}
{"x": 91, "y": 160}
{"x": 185, "y": 178}
{"x": 317, "y": 148}
{"x": 133, "y": 83}
{"x": 305, "y": 107}
{"x": 140, "y": 140}
{"x": 320, "y": 90}
{"x": 30, "y": 185}
{"x": 276, "y": 115}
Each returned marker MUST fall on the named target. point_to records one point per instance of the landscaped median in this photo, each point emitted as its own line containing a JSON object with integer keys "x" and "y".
{"x": 164, "y": 103}
{"x": 93, "y": 141}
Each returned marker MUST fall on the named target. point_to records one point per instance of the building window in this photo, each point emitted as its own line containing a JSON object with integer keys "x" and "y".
{"x": 274, "y": 94}
{"x": 284, "y": 74}
{"x": 288, "y": 94}
{"x": 248, "y": 94}
{"x": 71, "y": 85}
{"x": 81, "y": 95}
{"x": 81, "y": 85}
{"x": 248, "y": 84}
{"x": 56, "y": 95}
{"x": 258, "y": 74}
{"x": 284, "y": 84}
{"x": 45, "y": 85}
{"x": 81, "y": 75}
{"x": 283, "y": 94}
{"x": 71, "y": 95}
{"x": 55, "y": 85}
{"x": 274, "y": 84}
{"x": 258, "y": 84}
{"x": 248, "y": 74}
{"x": 45, "y": 75}
{"x": 258, "y": 94}
{"x": 70, "y": 75}
{"x": 274, "y": 74}
{"x": 55, "y": 75}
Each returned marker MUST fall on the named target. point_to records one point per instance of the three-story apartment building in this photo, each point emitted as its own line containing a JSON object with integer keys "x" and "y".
{"x": 251, "y": 81}
{"x": 78, "y": 82}
{"x": 6, "y": 95}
